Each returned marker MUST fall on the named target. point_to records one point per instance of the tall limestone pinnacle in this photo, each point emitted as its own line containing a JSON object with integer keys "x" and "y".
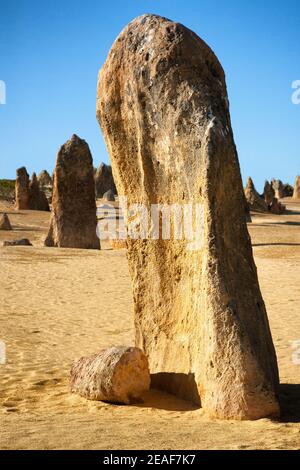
{"x": 199, "y": 315}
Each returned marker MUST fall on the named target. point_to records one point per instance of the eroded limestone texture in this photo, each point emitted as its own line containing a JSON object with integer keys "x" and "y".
{"x": 118, "y": 374}
{"x": 199, "y": 314}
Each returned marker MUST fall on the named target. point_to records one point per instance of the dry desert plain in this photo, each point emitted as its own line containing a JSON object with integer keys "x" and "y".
{"x": 59, "y": 304}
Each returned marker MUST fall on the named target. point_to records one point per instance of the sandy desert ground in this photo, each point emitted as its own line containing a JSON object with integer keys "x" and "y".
{"x": 59, "y": 304}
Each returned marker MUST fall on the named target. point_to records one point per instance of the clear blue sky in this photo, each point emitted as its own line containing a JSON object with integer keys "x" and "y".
{"x": 51, "y": 51}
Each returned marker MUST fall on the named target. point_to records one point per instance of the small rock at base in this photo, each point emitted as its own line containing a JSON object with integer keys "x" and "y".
{"x": 22, "y": 242}
{"x": 117, "y": 374}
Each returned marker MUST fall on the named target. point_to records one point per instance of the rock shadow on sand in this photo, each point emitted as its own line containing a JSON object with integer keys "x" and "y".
{"x": 289, "y": 397}
{"x": 276, "y": 244}
{"x": 171, "y": 392}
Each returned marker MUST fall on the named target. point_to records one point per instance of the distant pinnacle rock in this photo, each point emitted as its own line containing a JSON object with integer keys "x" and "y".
{"x": 269, "y": 193}
{"x": 296, "y": 194}
{"x": 22, "y": 189}
{"x": 5, "y": 223}
{"x": 109, "y": 196}
{"x": 104, "y": 180}
{"x": 37, "y": 198}
{"x": 46, "y": 185}
{"x": 73, "y": 220}
{"x": 44, "y": 179}
{"x": 256, "y": 203}
{"x": 278, "y": 187}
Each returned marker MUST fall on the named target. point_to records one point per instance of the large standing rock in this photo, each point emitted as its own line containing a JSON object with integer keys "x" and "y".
{"x": 37, "y": 198}
{"x": 5, "y": 223}
{"x": 256, "y": 203}
{"x": 296, "y": 194}
{"x": 118, "y": 374}
{"x": 22, "y": 189}
{"x": 199, "y": 314}
{"x": 73, "y": 221}
{"x": 104, "y": 180}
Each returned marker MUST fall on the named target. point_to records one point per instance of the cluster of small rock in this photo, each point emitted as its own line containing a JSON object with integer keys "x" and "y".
{"x": 269, "y": 200}
{"x": 29, "y": 195}
{"x": 71, "y": 192}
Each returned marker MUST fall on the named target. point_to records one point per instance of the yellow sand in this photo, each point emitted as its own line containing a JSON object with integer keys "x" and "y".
{"x": 59, "y": 304}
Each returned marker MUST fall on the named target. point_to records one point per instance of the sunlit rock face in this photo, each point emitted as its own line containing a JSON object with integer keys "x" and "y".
{"x": 199, "y": 315}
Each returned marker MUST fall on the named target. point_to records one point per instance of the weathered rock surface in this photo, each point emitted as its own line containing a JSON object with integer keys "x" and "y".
{"x": 22, "y": 189}
{"x": 104, "y": 180}
{"x": 5, "y": 223}
{"x": 37, "y": 199}
{"x": 73, "y": 220}
{"x": 255, "y": 201}
{"x": 109, "y": 196}
{"x": 296, "y": 194}
{"x": 21, "y": 242}
{"x": 199, "y": 314}
{"x": 118, "y": 375}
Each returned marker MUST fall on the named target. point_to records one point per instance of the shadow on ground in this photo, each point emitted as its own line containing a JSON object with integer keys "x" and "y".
{"x": 289, "y": 396}
{"x": 164, "y": 401}
{"x": 276, "y": 244}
